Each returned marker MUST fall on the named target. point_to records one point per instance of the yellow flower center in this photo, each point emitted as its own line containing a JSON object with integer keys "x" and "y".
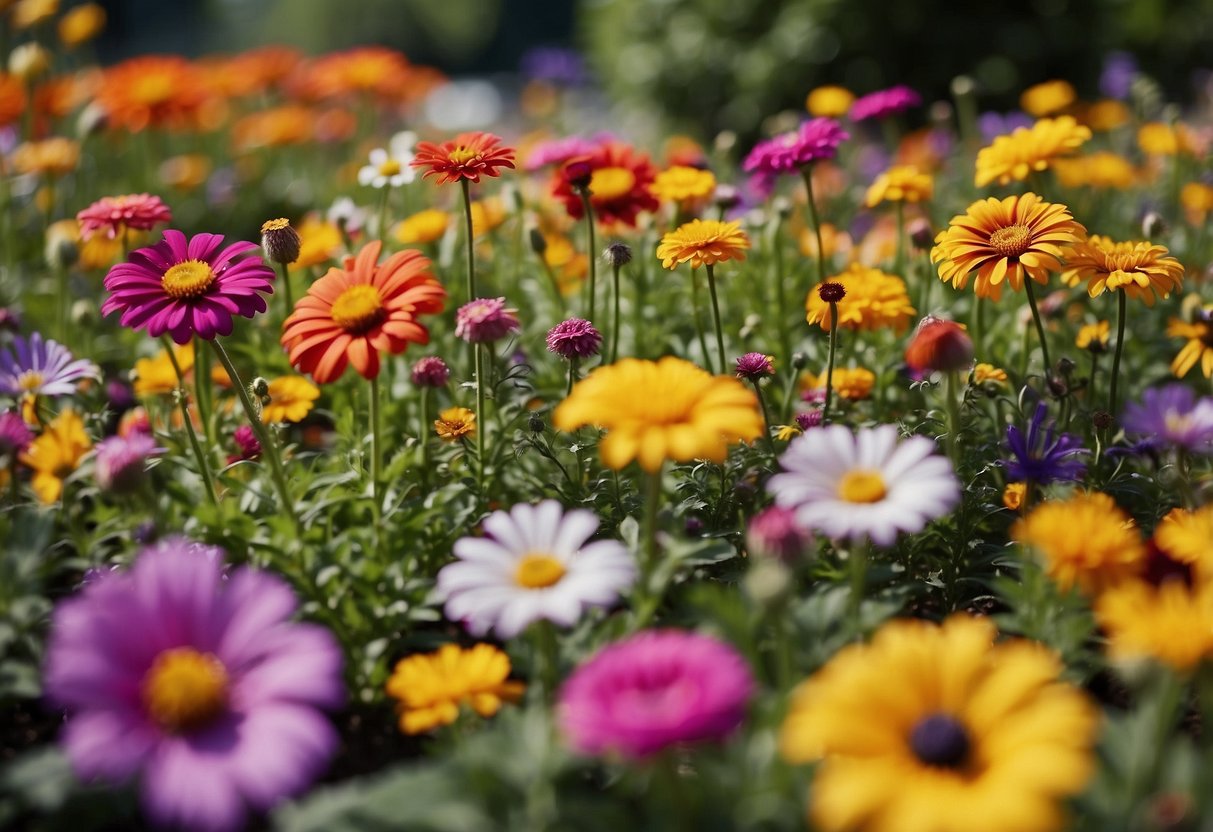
{"x": 1011, "y": 241}
{"x": 611, "y": 183}
{"x": 537, "y": 571}
{"x": 188, "y": 280}
{"x": 153, "y": 89}
{"x": 862, "y": 485}
{"x": 275, "y": 225}
{"x": 358, "y": 309}
{"x": 463, "y": 155}
{"x": 185, "y": 689}
{"x": 30, "y": 380}
{"x": 389, "y": 167}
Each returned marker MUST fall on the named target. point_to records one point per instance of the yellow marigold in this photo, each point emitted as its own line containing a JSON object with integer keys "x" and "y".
{"x": 1102, "y": 169}
{"x": 1106, "y": 115}
{"x": 426, "y": 226}
{"x": 1199, "y": 348}
{"x": 1047, "y": 98}
{"x": 873, "y": 300}
{"x": 902, "y": 183}
{"x": 1004, "y": 240}
{"x": 1013, "y": 494}
{"x": 658, "y": 410}
{"x": 430, "y": 688}
{"x": 454, "y": 423}
{"x": 319, "y": 242}
{"x": 50, "y": 157}
{"x": 988, "y": 372}
{"x": 830, "y": 101}
{"x": 1159, "y": 139}
{"x": 81, "y": 24}
{"x": 291, "y": 399}
{"x": 926, "y": 727}
{"x": 1197, "y": 200}
{"x": 155, "y": 376}
{"x": 1012, "y": 158}
{"x": 1093, "y": 337}
{"x": 683, "y": 184}
{"x": 1141, "y": 269}
{"x": 487, "y": 214}
{"x": 1085, "y": 541}
{"x": 55, "y": 454}
{"x": 703, "y": 242}
{"x": 851, "y": 383}
{"x": 1187, "y": 537}
{"x": 1171, "y": 623}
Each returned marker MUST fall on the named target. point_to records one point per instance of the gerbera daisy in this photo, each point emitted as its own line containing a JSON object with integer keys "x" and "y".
{"x": 1029, "y": 149}
{"x": 970, "y": 729}
{"x": 620, "y": 184}
{"x": 1199, "y": 348}
{"x": 117, "y": 214}
{"x": 151, "y": 91}
{"x": 467, "y": 157}
{"x": 872, "y": 300}
{"x": 658, "y": 410}
{"x": 814, "y": 141}
{"x": 38, "y": 367}
{"x": 391, "y": 167}
{"x": 1004, "y": 241}
{"x": 454, "y": 423}
{"x": 703, "y": 243}
{"x": 189, "y": 287}
{"x": 354, "y": 313}
{"x": 1141, "y": 269}
{"x": 865, "y": 484}
{"x": 430, "y": 688}
{"x": 196, "y": 681}
{"x": 901, "y": 183}
{"x": 533, "y": 564}
{"x": 426, "y": 226}
{"x": 291, "y": 399}
{"x": 55, "y": 454}
{"x": 683, "y": 184}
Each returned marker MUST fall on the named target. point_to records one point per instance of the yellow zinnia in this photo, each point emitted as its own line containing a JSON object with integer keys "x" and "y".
{"x": 683, "y": 184}
{"x": 988, "y": 372}
{"x": 454, "y": 423}
{"x": 55, "y": 454}
{"x": 430, "y": 688}
{"x": 156, "y": 376}
{"x": 1012, "y": 158}
{"x": 426, "y": 226}
{"x": 1171, "y": 623}
{"x": 850, "y": 383}
{"x": 1047, "y": 98}
{"x": 291, "y": 399}
{"x": 703, "y": 243}
{"x": 1187, "y": 537}
{"x": 901, "y": 183}
{"x": 1141, "y": 269}
{"x": 873, "y": 300}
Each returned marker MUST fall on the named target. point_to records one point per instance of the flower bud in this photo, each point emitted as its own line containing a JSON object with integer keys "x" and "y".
{"x": 617, "y": 255}
{"x": 939, "y": 345}
{"x": 921, "y": 236}
{"x": 280, "y": 241}
{"x": 774, "y": 533}
{"x": 28, "y": 61}
{"x": 1153, "y": 225}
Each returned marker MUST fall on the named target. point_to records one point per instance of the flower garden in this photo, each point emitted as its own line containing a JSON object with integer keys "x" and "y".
{"x": 358, "y": 474}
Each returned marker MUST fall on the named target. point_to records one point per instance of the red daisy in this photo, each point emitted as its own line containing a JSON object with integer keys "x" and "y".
{"x": 467, "y": 156}
{"x": 619, "y": 184}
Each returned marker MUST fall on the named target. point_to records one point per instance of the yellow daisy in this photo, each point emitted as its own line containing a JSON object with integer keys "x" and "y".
{"x": 1014, "y": 157}
{"x": 55, "y": 454}
{"x": 1199, "y": 349}
{"x": 901, "y": 183}
{"x": 683, "y": 184}
{"x": 1141, "y": 269}
{"x": 454, "y": 423}
{"x": 1171, "y": 623}
{"x": 426, "y": 226}
{"x": 703, "y": 243}
{"x": 873, "y": 300}
{"x": 1093, "y": 337}
{"x": 430, "y": 688}
{"x": 291, "y": 399}
{"x": 156, "y": 377}
{"x": 988, "y": 372}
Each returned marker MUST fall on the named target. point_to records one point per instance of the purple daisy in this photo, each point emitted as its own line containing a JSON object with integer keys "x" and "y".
{"x": 815, "y": 140}
{"x": 14, "y": 434}
{"x": 1172, "y": 415}
{"x": 485, "y": 320}
{"x": 574, "y": 338}
{"x": 186, "y": 287}
{"x": 1042, "y": 455}
{"x": 884, "y": 103}
{"x": 196, "y": 682}
{"x": 120, "y": 461}
{"x": 42, "y": 368}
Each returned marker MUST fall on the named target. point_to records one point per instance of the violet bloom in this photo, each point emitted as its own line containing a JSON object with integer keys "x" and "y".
{"x": 754, "y": 365}
{"x": 485, "y": 320}
{"x": 558, "y": 151}
{"x": 815, "y": 140}
{"x": 1042, "y": 455}
{"x": 554, "y": 65}
{"x": 657, "y": 688}
{"x": 120, "y": 461}
{"x": 810, "y": 419}
{"x": 884, "y": 103}
{"x": 991, "y": 125}
{"x": 430, "y": 371}
{"x": 1119, "y": 71}
{"x": 247, "y": 445}
{"x": 14, "y": 435}
{"x": 42, "y": 368}
{"x": 1172, "y": 415}
{"x": 574, "y": 339}
{"x": 198, "y": 685}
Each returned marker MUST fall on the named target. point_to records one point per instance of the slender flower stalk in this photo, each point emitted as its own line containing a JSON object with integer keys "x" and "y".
{"x": 1122, "y": 302}
{"x": 695, "y": 313}
{"x": 825, "y": 409}
{"x": 1040, "y": 328}
{"x": 781, "y": 293}
{"x": 584, "y": 193}
{"x": 952, "y": 401}
{"x": 376, "y": 451}
{"x": 288, "y": 296}
{"x": 204, "y": 469}
{"x": 806, "y": 173}
{"x": 470, "y": 234}
{"x": 202, "y": 388}
{"x": 716, "y": 318}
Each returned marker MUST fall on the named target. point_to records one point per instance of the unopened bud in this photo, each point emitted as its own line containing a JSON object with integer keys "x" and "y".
{"x": 921, "y": 235}
{"x": 939, "y": 345}
{"x": 539, "y": 243}
{"x": 280, "y": 242}
{"x": 617, "y": 255}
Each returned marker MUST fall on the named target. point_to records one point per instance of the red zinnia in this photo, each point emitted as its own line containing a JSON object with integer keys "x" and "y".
{"x": 111, "y": 214}
{"x": 467, "y": 156}
{"x": 620, "y": 180}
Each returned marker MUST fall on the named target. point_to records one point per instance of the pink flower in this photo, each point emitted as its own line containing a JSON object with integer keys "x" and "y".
{"x": 655, "y": 689}
{"x": 246, "y": 444}
{"x": 120, "y": 461}
{"x": 559, "y": 151}
{"x": 817, "y": 139}
{"x": 774, "y": 533}
{"x": 884, "y": 103}
{"x": 574, "y": 338}
{"x": 485, "y": 320}
{"x": 112, "y": 214}
{"x": 754, "y": 365}
{"x": 431, "y": 371}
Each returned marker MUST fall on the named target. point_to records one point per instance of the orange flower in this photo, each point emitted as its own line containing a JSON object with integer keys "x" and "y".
{"x": 12, "y": 98}
{"x": 1139, "y": 268}
{"x": 275, "y": 127}
{"x": 352, "y": 314}
{"x": 703, "y": 243}
{"x": 374, "y": 70}
{"x": 152, "y": 91}
{"x": 467, "y": 157}
{"x": 254, "y": 71}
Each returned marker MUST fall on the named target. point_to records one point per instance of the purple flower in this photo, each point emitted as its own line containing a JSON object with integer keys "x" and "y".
{"x": 884, "y": 103}
{"x": 574, "y": 338}
{"x": 655, "y": 689}
{"x": 1172, "y": 415}
{"x": 14, "y": 435}
{"x": 991, "y": 125}
{"x": 774, "y": 533}
{"x": 1043, "y": 456}
{"x": 198, "y": 685}
{"x": 120, "y": 460}
{"x": 431, "y": 371}
{"x": 1119, "y": 71}
{"x": 754, "y": 365}
{"x": 816, "y": 139}
{"x": 809, "y": 419}
{"x": 10, "y": 319}
{"x": 485, "y": 320}
{"x": 555, "y": 65}
{"x": 42, "y": 368}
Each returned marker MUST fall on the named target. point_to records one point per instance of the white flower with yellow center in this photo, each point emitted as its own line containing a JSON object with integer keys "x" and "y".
{"x": 390, "y": 168}
{"x": 533, "y": 563}
{"x": 865, "y": 484}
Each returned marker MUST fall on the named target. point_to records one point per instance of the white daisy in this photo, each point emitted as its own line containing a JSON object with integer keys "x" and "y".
{"x": 533, "y": 563}
{"x": 865, "y": 484}
{"x": 391, "y": 167}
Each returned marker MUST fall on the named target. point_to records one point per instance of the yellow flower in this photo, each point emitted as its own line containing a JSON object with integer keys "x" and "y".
{"x": 785, "y": 433}
{"x": 1199, "y": 348}
{"x": 658, "y": 410}
{"x": 431, "y": 687}
{"x": 703, "y": 242}
{"x": 1159, "y": 139}
{"x": 1106, "y": 115}
{"x": 874, "y": 300}
{"x": 1093, "y": 337}
{"x": 81, "y": 24}
{"x": 1187, "y": 537}
{"x": 454, "y": 423}
{"x": 1085, "y": 541}
{"x": 1013, "y": 494}
{"x": 851, "y": 383}
{"x": 900, "y": 183}
{"x": 50, "y": 157}
{"x": 1171, "y": 623}
{"x": 291, "y": 399}
{"x": 1141, "y": 269}
{"x": 1027, "y": 149}
{"x": 186, "y": 172}
{"x": 1004, "y": 240}
{"x": 1102, "y": 169}
{"x": 830, "y": 101}
{"x": 426, "y": 226}
{"x": 988, "y": 372}
{"x": 487, "y": 214}
{"x": 928, "y": 727}
{"x": 683, "y": 184}
{"x": 1197, "y": 200}
{"x": 1047, "y": 98}
{"x": 55, "y": 454}
{"x": 833, "y": 240}
{"x": 155, "y": 376}
{"x": 27, "y": 13}
{"x": 319, "y": 242}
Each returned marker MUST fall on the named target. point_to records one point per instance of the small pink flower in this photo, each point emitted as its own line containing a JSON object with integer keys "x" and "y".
{"x": 774, "y": 532}
{"x": 431, "y": 371}
{"x": 817, "y": 139}
{"x": 246, "y": 443}
{"x": 120, "y": 462}
{"x": 112, "y": 214}
{"x": 485, "y": 320}
{"x": 574, "y": 338}
{"x": 754, "y": 365}
{"x": 884, "y": 103}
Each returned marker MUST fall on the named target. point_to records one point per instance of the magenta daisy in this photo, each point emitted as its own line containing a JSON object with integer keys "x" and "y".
{"x": 188, "y": 287}
{"x": 197, "y": 683}
{"x": 817, "y": 139}
{"x": 40, "y": 367}
{"x": 884, "y": 103}
{"x": 116, "y": 214}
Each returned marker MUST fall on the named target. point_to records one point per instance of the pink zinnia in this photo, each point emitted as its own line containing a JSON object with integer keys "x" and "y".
{"x": 754, "y": 365}
{"x": 655, "y": 689}
{"x": 574, "y": 338}
{"x": 485, "y": 320}
{"x": 884, "y": 103}
{"x": 774, "y": 533}
{"x": 246, "y": 442}
{"x": 559, "y": 151}
{"x": 431, "y": 371}
{"x": 817, "y": 139}
{"x": 197, "y": 682}
{"x": 112, "y": 214}
{"x": 188, "y": 287}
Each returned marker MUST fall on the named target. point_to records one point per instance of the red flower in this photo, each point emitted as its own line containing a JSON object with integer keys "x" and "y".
{"x": 619, "y": 184}
{"x": 467, "y": 156}
{"x": 939, "y": 344}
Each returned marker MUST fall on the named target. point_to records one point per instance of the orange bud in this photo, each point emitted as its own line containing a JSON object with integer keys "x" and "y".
{"x": 939, "y": 344}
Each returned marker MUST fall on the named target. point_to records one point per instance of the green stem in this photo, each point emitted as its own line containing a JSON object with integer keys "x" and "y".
{"x": 807, "y": 173}
{"x": 1121, "y": 314}
{"x": 204, "y": 470}
{"x": 1040, "y": 328}
{"x": 899, "y": 256}
{"x": 766, "y": 417}
{"x": 593, "y": 250}
{"x": 573, "y": 363}
{"x": 781, "y": 292}
{"x": 952, "y": 403}
{"x": 716, "y": 319}
{"x": 288, "y": 297}
{"x": 424, "y": 434}
{"x": 376, "y": 453}
{"x": 202, "y": 389}
{"x": 471, "y": 241}
{"x": 482, "y": 429}
{"x": 614, "y": 351}
{"x": 825, "y": 410}
{"x": 62, "y": 305}
{"x": 703, "y": 341}
{"x": 858, "y": 569}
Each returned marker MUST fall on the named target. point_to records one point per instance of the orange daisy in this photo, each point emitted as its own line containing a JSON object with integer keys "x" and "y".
{"x": 151, "y": 91}
{"x": 467, "y": 157}
{"x": 352, "y": 314}
{"x": 1141, "y": 269}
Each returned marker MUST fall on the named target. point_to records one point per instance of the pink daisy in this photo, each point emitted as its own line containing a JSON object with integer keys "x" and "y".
{"x": 815, "y": 140}
{"x": 884, "y": 103}
{"x": 112, "y": 214}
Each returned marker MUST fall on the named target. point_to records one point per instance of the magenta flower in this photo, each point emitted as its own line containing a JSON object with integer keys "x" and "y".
{"x": 195, "y": 682}
{"x": 112, "y": 214}
{"x": 431, "y": 371}
{"x": 42, "y": 368}
{"x": 558, "y": 151}
{"x": 14, "y": 435}
{"x": 754, "y": 365}
{"x": 884, "y": 103}
{"x": 485, "y": 320}
{"x": 247, "y": 445}
{"x": 775, "y": 533}
{"x": 817, "y": 139}
{"x": 655, "y": 689}
{"x": 120, "y": 461}
{"x": 574, "y": 338}
{"x": 186, "y": 288}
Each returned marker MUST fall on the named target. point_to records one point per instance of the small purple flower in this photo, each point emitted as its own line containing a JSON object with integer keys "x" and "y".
{"x": 10, "y": 319}
{"x": 1172, "y": 415}
{"x": 431, "y": 371}
{"x": 554, "y": 65}
{"x": 120, "y": 461}
{"x": 14, "y": 435}
{"x": 1119, "y": 71}
{"x": 809, "y": 419}
{"x": 574, "y": 338}
{"x": 120, "y": 395}
{"x": 42, "y": 368}
{"x": 1043, "y": 455}
{"x": 485, "y": 320}
{"x": 754, "y": 365}
{"x": 992, "y": 125}
{"x": 774, "y": 533}
{"x": 884, "y": 103}
{"x": 815, "y": 140}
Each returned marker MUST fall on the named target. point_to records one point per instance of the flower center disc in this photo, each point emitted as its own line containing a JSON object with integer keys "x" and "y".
{"x": 185, "y": 689}
{"x": 862, "y": 486}
{"x": 463, "y": 155}
{"x": 189, "y": 279}
{"x": 389, "y": 168}
{"x": 358, "y": 309}
{"x": 1011, "y": 241}
{"x": 611, "y": 183}
{"x": 30, "y": 380}
{"x": 940, "y": 740}
{"x": 538, "y": 571}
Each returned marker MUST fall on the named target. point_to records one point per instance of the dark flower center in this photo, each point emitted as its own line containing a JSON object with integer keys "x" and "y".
{"x": 940, "y": 740}
{"x": 831, "y": 292}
